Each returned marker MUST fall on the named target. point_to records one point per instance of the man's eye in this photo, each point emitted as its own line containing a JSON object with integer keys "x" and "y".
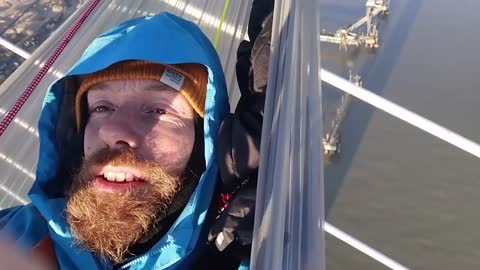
{"x": 100, "y": 109}
{"x": 159, "y": 111}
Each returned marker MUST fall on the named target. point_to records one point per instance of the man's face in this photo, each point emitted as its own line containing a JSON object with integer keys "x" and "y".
{"x": 148, "y": 116}
{"x": 138, "y": 141}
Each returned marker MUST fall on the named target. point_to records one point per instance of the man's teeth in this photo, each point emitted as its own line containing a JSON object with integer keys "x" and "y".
{"x": 110, "y": 176}
{"x": 118, "y": 177}
{"x": 129, "y": 177}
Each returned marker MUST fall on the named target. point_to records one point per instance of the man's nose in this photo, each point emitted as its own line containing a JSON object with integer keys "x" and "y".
{"x": 120, "y": 133}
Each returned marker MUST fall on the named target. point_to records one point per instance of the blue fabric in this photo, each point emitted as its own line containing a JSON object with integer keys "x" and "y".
{"x": 244, "y": 265}
{"x": 163, "y": 38}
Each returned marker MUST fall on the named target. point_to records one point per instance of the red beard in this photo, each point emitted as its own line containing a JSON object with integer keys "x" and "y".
{"x": 109, "y": 222}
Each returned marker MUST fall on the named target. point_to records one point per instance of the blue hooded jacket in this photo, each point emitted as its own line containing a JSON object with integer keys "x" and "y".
{"x": 164, "y": 38}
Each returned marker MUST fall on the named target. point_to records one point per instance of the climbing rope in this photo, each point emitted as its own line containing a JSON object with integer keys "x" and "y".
{"x": 43, "y": 71}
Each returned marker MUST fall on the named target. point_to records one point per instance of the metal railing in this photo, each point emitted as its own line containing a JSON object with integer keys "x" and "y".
{"x": 401, "y": 113}
{"x": 13, "y": 48}
{"x": 408, "y": 116}
{"x": 362, "y": 247}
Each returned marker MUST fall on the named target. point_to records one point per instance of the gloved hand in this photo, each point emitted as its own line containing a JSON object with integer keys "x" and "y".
{"x": 233, "y": 230}
{"x": 260, "y": 57}
{"x": 253, "y": 56}
{"x": 239, "y": 139}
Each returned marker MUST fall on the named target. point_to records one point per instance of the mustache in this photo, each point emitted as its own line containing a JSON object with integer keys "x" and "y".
{"x": 120, "y": 158}
{"x": 117, "y": 157}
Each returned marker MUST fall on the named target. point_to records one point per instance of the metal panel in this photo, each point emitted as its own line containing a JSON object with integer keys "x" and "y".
{"x": 289, "y": 218}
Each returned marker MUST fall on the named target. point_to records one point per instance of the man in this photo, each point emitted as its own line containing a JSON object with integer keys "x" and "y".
{"x": 128, "y": 166}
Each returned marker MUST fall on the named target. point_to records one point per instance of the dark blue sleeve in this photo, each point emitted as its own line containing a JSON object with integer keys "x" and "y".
{"x": 24, "y": 225}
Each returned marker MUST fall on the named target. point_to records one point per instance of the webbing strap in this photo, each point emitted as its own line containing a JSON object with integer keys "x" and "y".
{"x": 222, "y": 19}
{"x": 43, "y": 71}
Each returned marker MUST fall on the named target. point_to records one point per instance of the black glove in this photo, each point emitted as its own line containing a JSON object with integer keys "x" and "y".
{"x": 232, "y": 231}
{"x": 253, "y": 56}
{"x": 260, "y": 57}
{"x": 239, "y": 139}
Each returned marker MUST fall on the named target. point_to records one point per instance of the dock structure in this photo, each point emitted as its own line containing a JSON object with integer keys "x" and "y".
{"x": 331, "y": 142}
{"x": 349, "y": 37}
{"x": 346, "y": 37}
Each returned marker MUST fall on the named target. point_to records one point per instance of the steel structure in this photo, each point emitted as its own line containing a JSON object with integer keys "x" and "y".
{"x": 331, "y": 142}
{"x": 349, "y": 37}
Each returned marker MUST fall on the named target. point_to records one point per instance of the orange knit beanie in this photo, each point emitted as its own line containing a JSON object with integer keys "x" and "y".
{"x": 190, "y": 79}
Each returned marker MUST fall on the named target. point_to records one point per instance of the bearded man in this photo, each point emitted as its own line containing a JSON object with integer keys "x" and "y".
{"x": 133, "y": 141}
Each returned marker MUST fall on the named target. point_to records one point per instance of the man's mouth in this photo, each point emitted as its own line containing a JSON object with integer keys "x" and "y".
{"x": 115, "y": 178}
{"x": 120, "y": 177}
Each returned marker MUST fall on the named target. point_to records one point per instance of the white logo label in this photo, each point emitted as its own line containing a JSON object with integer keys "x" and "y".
{"x": 172, "y": 78}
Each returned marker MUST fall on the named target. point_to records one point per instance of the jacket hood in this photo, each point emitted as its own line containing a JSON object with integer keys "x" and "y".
{"x": 164, "y": 38}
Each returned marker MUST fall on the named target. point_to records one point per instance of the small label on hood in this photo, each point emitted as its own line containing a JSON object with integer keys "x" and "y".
{"x": 172, "y": 78}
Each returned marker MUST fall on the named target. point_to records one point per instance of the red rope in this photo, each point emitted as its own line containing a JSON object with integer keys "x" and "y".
{"x": 43, "y": 71}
